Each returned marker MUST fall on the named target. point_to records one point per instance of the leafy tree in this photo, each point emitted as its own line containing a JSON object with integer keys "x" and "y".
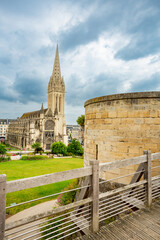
{"x": 3, "y": 149}
{"x": 75, "y": 147}
{"x": 37, "y": 147}
{"x": 81, "y": 120}
{"x": 59, "y": 148}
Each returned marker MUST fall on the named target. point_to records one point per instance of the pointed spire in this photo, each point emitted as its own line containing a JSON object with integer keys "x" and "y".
{"x": 56, "y": 82}
{"x": 42, "y": 109}
{"x": 56, "y": 69}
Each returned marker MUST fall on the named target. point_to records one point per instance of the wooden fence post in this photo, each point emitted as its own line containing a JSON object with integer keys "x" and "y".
{"x": 96, "y": 151}
{"x": 148, "y": 177}
{"x": 95, "y": 195}
{"x": 2, "y": 205}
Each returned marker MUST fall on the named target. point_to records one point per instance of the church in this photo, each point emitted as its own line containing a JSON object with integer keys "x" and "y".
{"x": 45, "y": 125}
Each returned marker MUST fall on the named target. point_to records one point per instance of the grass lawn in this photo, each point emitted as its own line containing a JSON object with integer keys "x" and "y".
{"x": 24, "y": 169}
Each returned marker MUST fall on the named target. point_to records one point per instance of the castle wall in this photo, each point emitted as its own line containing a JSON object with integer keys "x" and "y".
{"x": 123, "y": 126}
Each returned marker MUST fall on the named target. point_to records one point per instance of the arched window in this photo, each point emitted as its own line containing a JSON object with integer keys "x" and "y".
{"x": 60, "y": 104}
{"x": 56, "y": 101}
{"x": 49, "y": 125}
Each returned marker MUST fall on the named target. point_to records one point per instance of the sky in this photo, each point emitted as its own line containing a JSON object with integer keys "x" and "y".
{"x": 105, "y": 47}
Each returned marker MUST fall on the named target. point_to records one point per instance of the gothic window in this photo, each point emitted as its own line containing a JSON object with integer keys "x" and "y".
{"x": 56, "y": 101}
{"x": 49, "y": 125}
{"x": 60, "y": 104}
{"x": 49, "y": 134}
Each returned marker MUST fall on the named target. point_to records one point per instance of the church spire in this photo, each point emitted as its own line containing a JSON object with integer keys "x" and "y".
{"x": 56, "y": 68}
{"x": 56, "y": 82}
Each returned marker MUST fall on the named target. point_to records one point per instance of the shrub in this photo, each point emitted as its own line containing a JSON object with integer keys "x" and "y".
{"x": 59, "y": 148}
{"x": 5, "y": 159}
{"x": 66, "y": 198}
{"x": 40, "y": 157}
{"x": 3, "y": 149}
{"x": 75, "y": 148}
{"x": 37, "y": 147}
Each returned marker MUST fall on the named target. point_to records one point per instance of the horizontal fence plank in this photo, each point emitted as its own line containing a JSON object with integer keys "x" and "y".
{"x": 121, "y": 189}
{"x": 155, "y": 178}
{"x": 37, "y": 217}
{"x": 155, "y": 156}
{"x": 25, "y": 183}
{"x": 122, "y": 163}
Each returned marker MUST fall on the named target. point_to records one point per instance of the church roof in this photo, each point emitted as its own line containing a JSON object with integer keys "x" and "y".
{"x": 32, "y": 114}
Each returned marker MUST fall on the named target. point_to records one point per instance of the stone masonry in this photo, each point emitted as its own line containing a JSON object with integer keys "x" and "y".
{"x": 123, "y": 126}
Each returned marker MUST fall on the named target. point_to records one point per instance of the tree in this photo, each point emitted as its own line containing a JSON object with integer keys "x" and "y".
{"x": 81, "y": 120}
{"x": 59, "y": 148}
{"x": 3, "y": 149}
{"x": 37, "y": 147}
{"x": 75, "y": 147}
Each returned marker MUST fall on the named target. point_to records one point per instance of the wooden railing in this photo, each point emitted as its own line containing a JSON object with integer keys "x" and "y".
{"x": 91, "y": 207}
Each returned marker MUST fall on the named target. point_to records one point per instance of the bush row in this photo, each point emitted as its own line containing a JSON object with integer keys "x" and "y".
{"x": 4, "y": 159}
{"x": 39, "y": 157}
{"x": 73, "y": 148}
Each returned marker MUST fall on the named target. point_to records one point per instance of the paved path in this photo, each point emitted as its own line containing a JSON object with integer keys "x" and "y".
{"x": 141, "y": 225}
{"x": 40, "y": 208}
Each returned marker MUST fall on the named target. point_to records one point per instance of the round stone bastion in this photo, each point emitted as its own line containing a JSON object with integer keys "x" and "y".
{"x": 123, "y": 126}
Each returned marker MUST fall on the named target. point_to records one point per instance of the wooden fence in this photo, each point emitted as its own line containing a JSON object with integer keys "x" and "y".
{"x": 91, "y": 207}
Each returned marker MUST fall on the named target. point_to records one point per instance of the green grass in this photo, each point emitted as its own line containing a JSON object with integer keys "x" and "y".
{"x": 24, "y": 169}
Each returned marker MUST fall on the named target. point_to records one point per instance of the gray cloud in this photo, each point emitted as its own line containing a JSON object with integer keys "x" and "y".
{"x": 5, "y": 60}
{"x": 150, "y": 84}
{"x": 30, "y": 87}
{"x": 102, "y": 84}
{"x": 6, "y": 90}
{"x": 144, "y": 41}
{"x": 27, "y": 48}
{"x": 139, "y": 21}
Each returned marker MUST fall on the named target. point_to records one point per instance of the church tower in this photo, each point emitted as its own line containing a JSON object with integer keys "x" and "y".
{"x": 56, "y": 98}
{"x": 56, "y": 89}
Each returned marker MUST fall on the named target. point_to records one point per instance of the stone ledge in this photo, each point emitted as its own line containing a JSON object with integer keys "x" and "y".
{"x": 134, "y": 95}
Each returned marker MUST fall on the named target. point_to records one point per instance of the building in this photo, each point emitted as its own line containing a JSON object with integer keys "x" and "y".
{"x": 45, "y": 125}
{"x": 4, "y": 123}
{"x": 73, "y": 132}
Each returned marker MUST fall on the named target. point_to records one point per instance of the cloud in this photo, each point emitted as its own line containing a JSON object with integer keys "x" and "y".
{"x": 144, "y": 36}
{"x": 150, "y": 84}
{"x": 5, "y": 60}
{"x": 30, "y": 87}
{"x": 102, "y": 84}
{"x": 6, "y": 90}
{"x": 105, "y": 46}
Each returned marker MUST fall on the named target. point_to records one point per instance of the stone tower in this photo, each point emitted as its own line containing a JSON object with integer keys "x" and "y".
{"x": 56, "y": 89}
{"x": 56, "y": 98}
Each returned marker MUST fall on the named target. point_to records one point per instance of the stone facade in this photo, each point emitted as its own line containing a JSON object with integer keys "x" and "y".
{"x": 45, "y": 125}
{"x": 123, "y": 126}
{"x": 4, "y": 123}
